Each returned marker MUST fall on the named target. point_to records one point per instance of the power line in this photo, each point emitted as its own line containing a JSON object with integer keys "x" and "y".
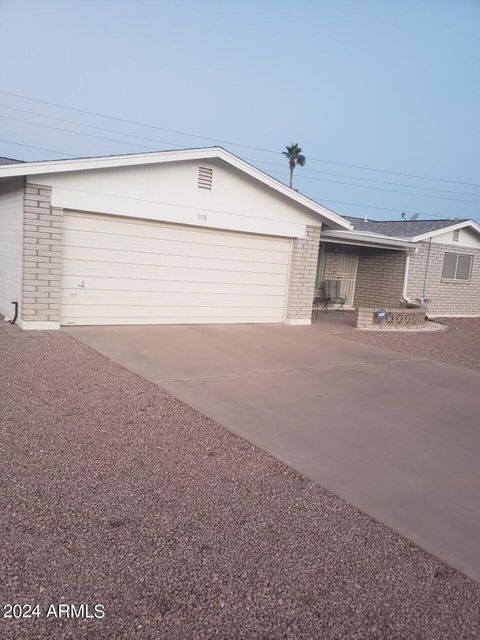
{"x": 273, "y": 164}
{"x": 84, "y": 124}
{"x": 318, "y": 199}
{"x": 370, "y": 206}
{"x": 150, "y": 148}
{"x": 236, "y": 144}
{"x": 80, "y": 133}
{"x": 343, "y": 175}
{"x": 30, "y": 146}
{"x": 364, "y": 186}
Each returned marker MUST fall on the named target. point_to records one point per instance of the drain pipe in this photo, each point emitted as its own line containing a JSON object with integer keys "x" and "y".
{"x": 408, "y": 301}
{"x": 426, "y": 272}
{"x": 15, "y": 313}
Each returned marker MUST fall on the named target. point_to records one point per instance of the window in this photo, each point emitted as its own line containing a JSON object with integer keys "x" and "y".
{"x": 457, "y": 266}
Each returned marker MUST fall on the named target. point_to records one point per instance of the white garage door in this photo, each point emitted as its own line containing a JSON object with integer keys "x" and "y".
{"x": 124, "y": 271}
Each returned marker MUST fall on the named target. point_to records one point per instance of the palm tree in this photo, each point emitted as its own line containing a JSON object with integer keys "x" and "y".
{"x": 295, "y": 158}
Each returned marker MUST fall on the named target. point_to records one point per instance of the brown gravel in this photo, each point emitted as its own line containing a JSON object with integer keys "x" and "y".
{"x": 459, "y": 344}
{"x": 115, "y": 493}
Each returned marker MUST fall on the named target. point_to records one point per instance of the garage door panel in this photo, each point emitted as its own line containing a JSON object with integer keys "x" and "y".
{"x": 146, "y": 311}
{"x": 102, "y": 320}
{"x": 109, "y": 228}
{"x": 100, "y": 284}
{"x": 117, "y": 271}
{"x": 101, "y": 256}
{"x": 167, "y": 298}
{"x": 83, "y": 270}
{"x": 154, "y": 246}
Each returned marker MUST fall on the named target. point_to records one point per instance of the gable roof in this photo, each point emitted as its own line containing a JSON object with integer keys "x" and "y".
{"x": 9, "y": 161}
{"x": 412, "y": 229}
{"x": 158, "y": 157}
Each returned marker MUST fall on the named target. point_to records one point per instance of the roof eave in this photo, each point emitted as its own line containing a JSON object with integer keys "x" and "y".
{"x": 438, "y": 232}
{"x": 158, "y": 157}
{"x": 366, "y": 240}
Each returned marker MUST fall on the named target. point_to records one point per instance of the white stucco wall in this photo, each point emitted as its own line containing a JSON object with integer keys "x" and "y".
{"x": 170, "y": 192}
{"x": 11, "y": 243}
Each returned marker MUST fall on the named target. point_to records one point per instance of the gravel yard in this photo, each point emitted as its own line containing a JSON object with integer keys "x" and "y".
{"x": 113, "y": 492}
{"x": 459, "y": 344}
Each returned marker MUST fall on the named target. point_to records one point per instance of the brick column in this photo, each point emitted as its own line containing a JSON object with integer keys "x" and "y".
{"x": 364, "y": 317}
{"x": 42, "y": 258}
{"x": 303, "y": 272}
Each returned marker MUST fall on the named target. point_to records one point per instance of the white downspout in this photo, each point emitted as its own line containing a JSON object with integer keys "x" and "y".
{"x": 405, "y": 298}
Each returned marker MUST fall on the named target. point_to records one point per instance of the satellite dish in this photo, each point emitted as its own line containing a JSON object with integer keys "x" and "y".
{"x": 414, "y": 216}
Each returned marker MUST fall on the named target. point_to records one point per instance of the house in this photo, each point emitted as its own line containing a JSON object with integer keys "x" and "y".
{"x": 385, "y": 263}
{"x": 189, "y": 236}
{"x": 201, "y": 236}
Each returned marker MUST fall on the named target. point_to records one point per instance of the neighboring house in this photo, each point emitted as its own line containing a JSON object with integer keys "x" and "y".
{"x": 385, "y": 263}
{"x": 189, "y": 236}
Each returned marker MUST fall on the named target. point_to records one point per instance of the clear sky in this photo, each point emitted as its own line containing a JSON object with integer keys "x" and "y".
{"x": 383, "y": 84}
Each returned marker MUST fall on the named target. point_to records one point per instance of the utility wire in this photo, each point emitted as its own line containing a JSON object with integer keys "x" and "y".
{"x": 90, "y": 126}
{"x": 31, "y": 146}
{"x": 150, "y": 148}
{"x": 365, "y": 186}
{"x": 421, "y": 213}
{"x": 318, "y": 199}
{"x": 273, "y": 164}
{"x": 80, "y": 133}
{"x": 236, "y": 144}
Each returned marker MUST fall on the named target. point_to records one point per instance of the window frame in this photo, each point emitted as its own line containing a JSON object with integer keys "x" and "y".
{"x": 457, "y": 256}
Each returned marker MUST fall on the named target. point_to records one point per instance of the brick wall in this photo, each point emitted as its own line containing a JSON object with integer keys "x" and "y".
{"x": 303, "y": 271}
{"x": 42, "y": 258}
{"x": 333, "y": 254}
{"x": 449, "y": 298}
{"x": 380, "y": 274}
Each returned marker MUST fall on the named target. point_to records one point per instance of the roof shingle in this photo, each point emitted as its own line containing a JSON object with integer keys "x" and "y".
{"x": 401, "y": 228}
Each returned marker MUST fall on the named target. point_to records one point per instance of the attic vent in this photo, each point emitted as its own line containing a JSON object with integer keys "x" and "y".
{"x": 456, "y": 235}
{"x": 205, "y": 178}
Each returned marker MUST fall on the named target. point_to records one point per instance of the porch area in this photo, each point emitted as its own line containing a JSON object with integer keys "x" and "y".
{"x": 330, "y": 323}
{"x": 359, "y": 270}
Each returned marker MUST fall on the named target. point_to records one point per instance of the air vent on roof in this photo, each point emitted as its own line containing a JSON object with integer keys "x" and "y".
{"x": 205, "y": 178}
{"x": 456, "y": 235}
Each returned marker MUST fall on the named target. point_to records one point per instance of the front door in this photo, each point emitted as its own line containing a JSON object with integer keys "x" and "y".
{"x": 347, "y": 261}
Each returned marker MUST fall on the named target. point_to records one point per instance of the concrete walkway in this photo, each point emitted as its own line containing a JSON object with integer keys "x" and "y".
{"x": 395, "y": 435}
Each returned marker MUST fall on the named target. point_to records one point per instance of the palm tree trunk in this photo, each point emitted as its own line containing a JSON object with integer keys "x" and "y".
{"x": 291, "y": 177}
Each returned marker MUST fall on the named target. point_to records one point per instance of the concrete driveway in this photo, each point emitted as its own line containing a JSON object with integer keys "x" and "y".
{"x": 395, "y": 435}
